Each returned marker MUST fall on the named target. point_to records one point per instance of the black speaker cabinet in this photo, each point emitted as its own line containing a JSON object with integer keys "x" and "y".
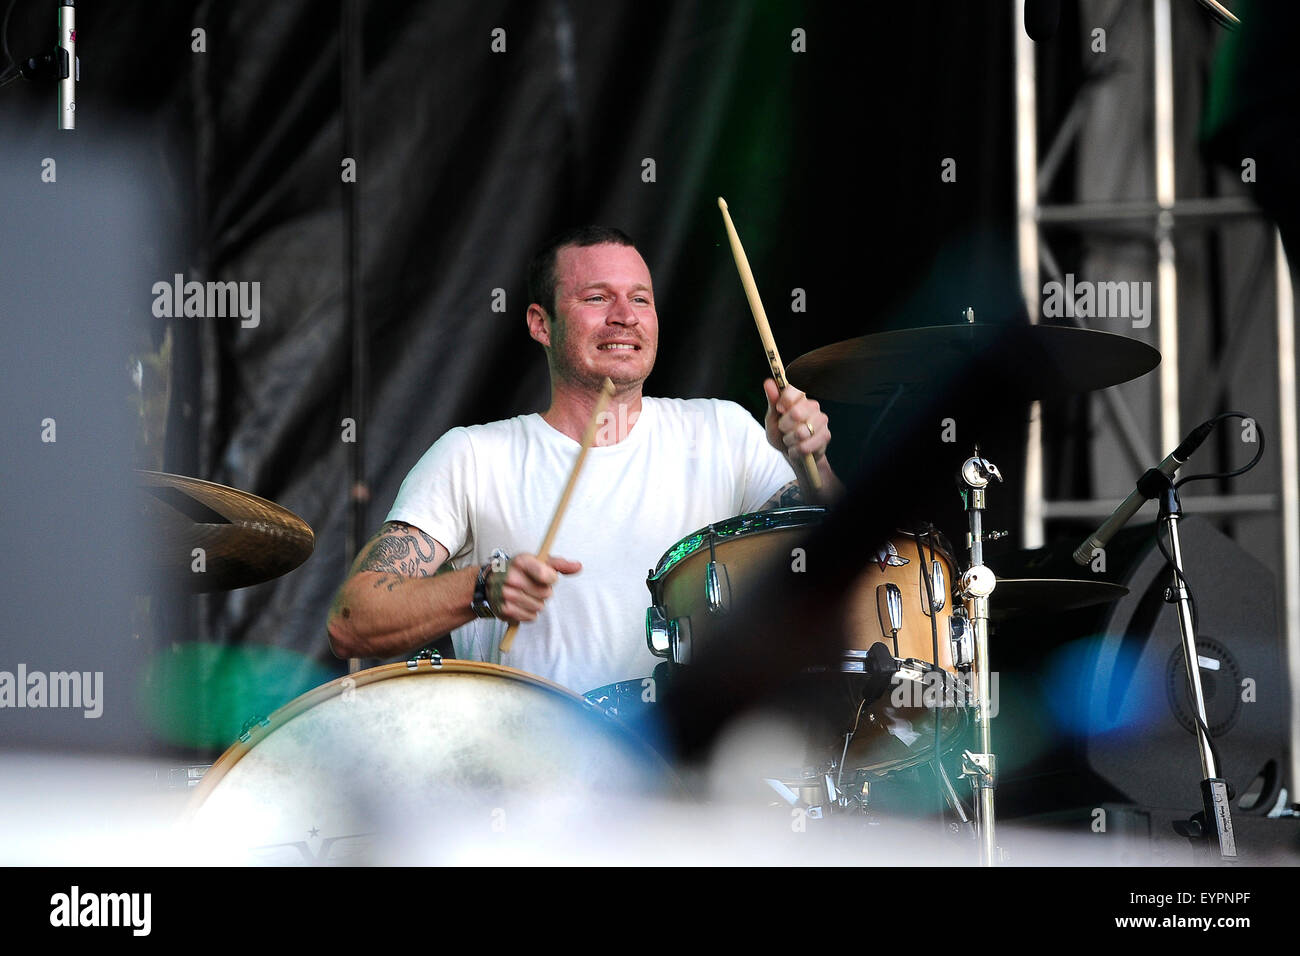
{"x": 1121, "y": 834}
{"x": 1095, "y": 705}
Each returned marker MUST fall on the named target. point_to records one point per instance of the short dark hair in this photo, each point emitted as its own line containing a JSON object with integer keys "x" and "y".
{"x": 541, "y": 270}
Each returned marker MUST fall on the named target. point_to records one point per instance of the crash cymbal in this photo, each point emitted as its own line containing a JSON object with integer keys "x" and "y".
{"x": 245, "y": 539}
{"x": 1013, "y": 363}
{"x": 1014, "y": 597}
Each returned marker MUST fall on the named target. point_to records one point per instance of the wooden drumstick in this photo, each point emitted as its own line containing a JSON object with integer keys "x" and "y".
{"x": 764, "y": 330}
{"x": 588, "y": 437}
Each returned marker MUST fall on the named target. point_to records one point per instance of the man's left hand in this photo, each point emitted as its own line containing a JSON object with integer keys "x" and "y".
{"x": 796, "y": 424}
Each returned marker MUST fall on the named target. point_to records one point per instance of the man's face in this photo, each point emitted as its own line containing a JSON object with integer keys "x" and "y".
{"x": 605, "y": 322}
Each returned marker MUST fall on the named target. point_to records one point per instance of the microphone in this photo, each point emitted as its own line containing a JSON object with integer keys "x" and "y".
{"x": 1222, "y": 15}
{"x": 1136, "y": 499}
{"x": 1042, "y": 18}
{"x": 65, "y": 64}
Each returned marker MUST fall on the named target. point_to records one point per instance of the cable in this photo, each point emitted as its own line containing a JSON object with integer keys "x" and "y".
{"x": 4, "y": 34}
{"x": 937, "y": 714}
{"x": 11, "y": 69}
{"x": 1244, "y": 468}
{"x": 839, "y": 777}
{"x": 1180, "y": 578}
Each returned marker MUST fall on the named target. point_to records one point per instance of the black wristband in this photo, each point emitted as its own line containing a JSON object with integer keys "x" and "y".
{"x": 481, "y": 606}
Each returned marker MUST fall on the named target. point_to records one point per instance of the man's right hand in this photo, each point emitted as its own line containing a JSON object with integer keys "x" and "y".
{"x": 518, "y": 593}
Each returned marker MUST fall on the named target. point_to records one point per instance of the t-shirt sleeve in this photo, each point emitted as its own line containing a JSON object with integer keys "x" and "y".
{"x": 763, "y": 471}
{"x": 437, "y": 495}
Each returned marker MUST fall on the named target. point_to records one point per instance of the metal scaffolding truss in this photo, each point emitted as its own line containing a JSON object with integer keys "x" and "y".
{"x": 1157, "y": 219}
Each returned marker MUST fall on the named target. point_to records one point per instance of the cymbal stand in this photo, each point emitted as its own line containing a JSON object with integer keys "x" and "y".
{"x": 977, "y": 583}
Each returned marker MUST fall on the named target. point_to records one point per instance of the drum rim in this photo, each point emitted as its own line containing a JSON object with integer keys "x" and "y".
{"x": 774, "y": 519}
{"x": 947, "y": 742}
{"x": 371, "y": 675}
{"x": 731, "y": 529}
{"x": 932, "y": 539}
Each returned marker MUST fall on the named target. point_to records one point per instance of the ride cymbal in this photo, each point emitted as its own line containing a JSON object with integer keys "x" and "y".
{"x": 1014, "y": 597}
{"x": 1013, "y": 363}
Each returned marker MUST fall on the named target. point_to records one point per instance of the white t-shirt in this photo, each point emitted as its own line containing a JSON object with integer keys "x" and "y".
{"x": 683, "y": 464}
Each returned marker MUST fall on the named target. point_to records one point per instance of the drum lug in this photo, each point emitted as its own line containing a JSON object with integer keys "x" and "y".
{"x": 891, "y": 621}
{"x": 434, "y": 657}
{"x": 939, "y": 586}
{"x": 717, "y": 588}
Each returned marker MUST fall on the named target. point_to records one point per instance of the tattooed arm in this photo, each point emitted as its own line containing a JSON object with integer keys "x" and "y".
{"x": 391, "y": 602}
{"x": 786, "y": 496}
{"x": 395, "y": 601}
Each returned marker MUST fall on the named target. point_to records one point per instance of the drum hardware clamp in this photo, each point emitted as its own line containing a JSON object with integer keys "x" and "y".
{"x": 434, "y": 657}
{"x": 989, "y": 536}
{"x": 981, "y": 768}
{"x": 961, "y": 637}
{"x": 661, "y": 632}
{"x": 246, "y": 730}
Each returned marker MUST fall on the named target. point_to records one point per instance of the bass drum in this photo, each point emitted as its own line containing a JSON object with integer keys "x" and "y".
{"x": 416, "y": 748}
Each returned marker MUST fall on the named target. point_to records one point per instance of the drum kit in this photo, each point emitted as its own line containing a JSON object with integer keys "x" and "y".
{"x": 909, "y": 689}
{"x": 913, "y": 682}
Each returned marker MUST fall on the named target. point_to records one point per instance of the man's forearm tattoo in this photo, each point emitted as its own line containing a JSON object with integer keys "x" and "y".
{"x": 401, "y": 551}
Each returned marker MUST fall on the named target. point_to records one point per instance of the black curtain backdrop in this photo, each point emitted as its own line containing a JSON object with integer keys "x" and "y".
{"x": 830, "y": 159}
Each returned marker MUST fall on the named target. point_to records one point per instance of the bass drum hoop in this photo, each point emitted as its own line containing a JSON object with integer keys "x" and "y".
{"x": 317, "y": 695}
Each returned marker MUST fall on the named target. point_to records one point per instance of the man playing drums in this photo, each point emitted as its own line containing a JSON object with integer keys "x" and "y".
{"x": 482, "y": 495}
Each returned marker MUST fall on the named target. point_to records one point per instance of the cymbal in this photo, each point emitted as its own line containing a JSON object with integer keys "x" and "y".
{"x": 245, "y": 539}
{"x": 1015, "y": 597}
{"x": 1018, "y": 363}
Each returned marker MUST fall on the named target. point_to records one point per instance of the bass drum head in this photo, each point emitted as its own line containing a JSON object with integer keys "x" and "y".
{"x": 890, "y": 738}
{"x": 391, "y": 747}
{"x": 888, "y": 724}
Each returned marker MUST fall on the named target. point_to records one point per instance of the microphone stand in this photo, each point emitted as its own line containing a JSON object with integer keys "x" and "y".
{"x": 1214, "y": 789}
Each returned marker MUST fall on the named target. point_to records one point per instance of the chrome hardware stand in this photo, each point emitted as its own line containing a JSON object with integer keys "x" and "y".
{"x": 977, "y": 583}
{"x": 1214, "y": 789}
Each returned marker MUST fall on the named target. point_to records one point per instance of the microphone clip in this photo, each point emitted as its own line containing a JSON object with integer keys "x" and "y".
{"x": 1154, "y": 483}
{"x": 51, "y": 67}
